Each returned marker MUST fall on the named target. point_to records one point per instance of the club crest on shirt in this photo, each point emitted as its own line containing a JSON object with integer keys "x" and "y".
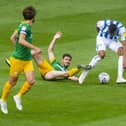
{"x": 23, "y": 28}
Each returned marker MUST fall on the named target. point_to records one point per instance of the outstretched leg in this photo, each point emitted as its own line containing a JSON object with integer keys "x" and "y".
{"x": 84, "y": 73}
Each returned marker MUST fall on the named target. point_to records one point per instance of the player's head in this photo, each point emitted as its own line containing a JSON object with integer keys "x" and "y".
{"x": 66, "y": 59}
{"x": 29, "y": 13}
{"x": 112, "y": 29}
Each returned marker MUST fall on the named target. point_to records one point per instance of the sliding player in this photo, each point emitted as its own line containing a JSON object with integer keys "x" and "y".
{"x": 66, "y": 57}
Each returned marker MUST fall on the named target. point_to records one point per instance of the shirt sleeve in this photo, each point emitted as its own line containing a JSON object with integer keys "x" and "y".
{"x": 24, "y": 30}
{"x": 122, "y": 33}
{"x": 52, "y": 60}
{"x": 100, "y": 24}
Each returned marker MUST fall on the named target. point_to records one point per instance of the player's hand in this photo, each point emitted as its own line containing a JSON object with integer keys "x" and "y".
{"x": 58, "y": 35}
{"x": 73, "y": 78}
{"x": 38, "y": 50}
{"x": 35, "y": 51}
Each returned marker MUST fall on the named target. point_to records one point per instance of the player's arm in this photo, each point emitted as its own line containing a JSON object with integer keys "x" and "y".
{"x": 13, "y": 40}
{"x": 23, "y": 42}
{"x": 99, "y": 25}
{"x": 52, "y": 44}
{"x": 13, "y": 37}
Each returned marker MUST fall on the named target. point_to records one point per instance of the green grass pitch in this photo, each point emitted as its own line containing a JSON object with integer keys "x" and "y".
{"x": 65, "y": 103}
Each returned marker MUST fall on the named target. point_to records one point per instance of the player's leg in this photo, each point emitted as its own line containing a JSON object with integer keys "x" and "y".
{"x": 25, "y": 88}
{"x": 100, "y": 48}
{"x": 120, "y": 71}
{"x": 124, "y": 54}
{"x": 29, "y": 73}
{"x": 117, "y": 47}
{"x": 101, "y": 44}
{"x": 54, "y": 75}
{"x": 5, "y": 92}
{"x": 84, "y": 67}
{"x": 42, "y": 64}
{"x": 9, "y": 84}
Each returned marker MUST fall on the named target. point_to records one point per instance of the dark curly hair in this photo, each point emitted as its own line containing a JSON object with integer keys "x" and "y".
{"x": 67, "y": 55}
{"x": 29, "y": 13}
{"x": 112, "y": 29}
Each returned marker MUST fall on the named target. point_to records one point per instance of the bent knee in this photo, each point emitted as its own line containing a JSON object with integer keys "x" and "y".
{"x": 13, "y": 80}
{"x": 31, "y": 82}
{"x": 120, "y": 51}
{"x": 102, "y": 54}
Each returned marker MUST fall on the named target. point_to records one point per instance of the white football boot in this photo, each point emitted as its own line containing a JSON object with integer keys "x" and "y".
{"x": 17, "y": 101}
{"x": 3, "y": 105}
{"x": 121, "y": 81}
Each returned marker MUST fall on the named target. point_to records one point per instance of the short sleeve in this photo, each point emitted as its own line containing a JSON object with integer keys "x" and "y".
{"x": 100, "y": 24}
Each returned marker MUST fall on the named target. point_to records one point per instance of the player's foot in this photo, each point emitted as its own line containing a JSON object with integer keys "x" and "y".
{"x": 121, "y": 81}
{"x": 7, "y": 61}
{"x": 84, "y": 67}
{"x": 3, "y": 105}
{"x": 17, "y": 100}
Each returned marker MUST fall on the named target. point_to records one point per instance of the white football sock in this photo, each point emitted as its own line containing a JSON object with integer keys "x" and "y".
{"x": 95, "y": 60}
{"x": 84, "y": 74}
{"x": 120, "y": 67}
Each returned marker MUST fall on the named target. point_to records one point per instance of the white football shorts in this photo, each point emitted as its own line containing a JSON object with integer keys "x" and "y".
{"x": 103, "y": 43}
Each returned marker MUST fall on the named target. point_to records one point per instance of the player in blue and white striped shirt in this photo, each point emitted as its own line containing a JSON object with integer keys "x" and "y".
{"x": 110, "y": 29}
{"x": 108, "y": 37}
